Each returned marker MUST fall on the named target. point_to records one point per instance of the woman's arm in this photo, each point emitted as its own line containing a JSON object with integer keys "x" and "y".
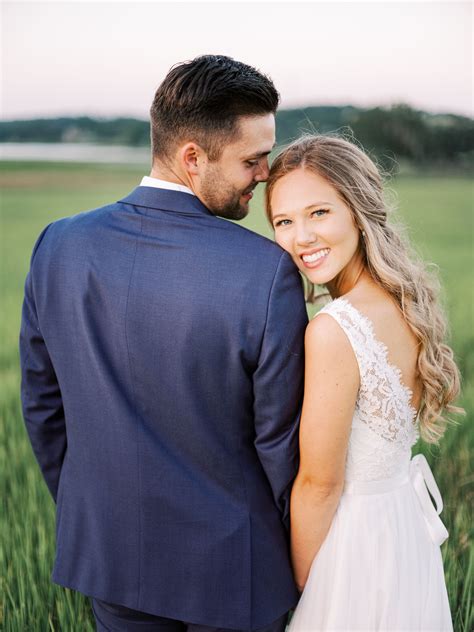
{"x": 330, "y": 393}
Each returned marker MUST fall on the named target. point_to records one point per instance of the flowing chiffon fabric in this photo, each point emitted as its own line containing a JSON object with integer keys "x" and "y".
{"x": 380, "y": 566}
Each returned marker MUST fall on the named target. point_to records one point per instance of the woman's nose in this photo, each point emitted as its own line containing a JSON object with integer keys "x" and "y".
{"x": 306, "y": 235}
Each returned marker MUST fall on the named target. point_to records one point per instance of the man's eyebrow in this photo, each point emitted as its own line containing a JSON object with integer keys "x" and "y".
{"x": 261, "y": 154}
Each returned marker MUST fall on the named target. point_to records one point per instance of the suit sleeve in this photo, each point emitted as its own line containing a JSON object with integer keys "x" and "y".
{"x": 40, "y": 394}
{"x": 278, "y": 383}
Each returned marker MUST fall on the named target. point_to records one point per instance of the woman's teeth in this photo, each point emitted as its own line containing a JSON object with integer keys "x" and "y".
{"x": 315, "y": 256}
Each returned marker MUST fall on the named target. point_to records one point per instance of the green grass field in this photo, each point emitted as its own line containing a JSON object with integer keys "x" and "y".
{"x": 439, "y": 213}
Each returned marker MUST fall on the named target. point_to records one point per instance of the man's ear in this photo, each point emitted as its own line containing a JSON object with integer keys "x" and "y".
{"x": 192, "y": 156}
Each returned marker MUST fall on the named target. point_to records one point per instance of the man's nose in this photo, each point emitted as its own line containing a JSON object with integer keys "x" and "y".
{"x": 263, "y": 171}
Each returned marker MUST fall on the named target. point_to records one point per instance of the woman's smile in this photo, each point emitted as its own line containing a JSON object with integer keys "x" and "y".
{"x": 314, "y": 258}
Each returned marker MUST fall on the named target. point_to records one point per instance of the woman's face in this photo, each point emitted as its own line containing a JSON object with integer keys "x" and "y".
{"x": 314, "y": 225}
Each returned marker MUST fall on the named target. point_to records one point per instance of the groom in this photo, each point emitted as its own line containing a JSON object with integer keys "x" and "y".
{"x": 162, "y": 360}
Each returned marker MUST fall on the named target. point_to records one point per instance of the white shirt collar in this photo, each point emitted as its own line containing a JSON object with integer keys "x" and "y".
{"x": 147, "y": 181}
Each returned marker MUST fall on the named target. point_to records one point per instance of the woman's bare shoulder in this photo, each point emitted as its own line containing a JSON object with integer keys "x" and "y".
{"x": 325, "y": 336}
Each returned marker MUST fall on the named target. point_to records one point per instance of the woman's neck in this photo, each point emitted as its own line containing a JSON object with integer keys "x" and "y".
{"x": 354, "y": 274}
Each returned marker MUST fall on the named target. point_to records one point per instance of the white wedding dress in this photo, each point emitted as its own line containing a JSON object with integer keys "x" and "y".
{"x": 380, "y": 566}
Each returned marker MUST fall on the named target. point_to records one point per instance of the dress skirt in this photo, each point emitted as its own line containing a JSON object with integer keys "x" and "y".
{"x": 380, "y": 566}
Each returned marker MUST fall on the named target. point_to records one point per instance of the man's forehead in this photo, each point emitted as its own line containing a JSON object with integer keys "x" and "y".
{"x": 256, "y": 134}
{"x": 261, "y": 124}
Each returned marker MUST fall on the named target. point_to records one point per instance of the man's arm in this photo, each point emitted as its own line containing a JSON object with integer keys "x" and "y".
{"x": 40, "y": 395}
{"x": 278, "y": 383}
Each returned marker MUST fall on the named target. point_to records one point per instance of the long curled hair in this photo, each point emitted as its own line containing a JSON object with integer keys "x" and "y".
{"x": 390, "y": 261}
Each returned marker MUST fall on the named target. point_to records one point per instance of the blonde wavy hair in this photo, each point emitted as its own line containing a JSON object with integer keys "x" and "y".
{"x": 390, "y": 261}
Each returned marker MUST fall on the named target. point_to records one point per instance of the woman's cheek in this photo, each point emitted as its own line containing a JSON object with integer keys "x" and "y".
{"x": 282, "y": 241}
{"x": 341, "y": 233}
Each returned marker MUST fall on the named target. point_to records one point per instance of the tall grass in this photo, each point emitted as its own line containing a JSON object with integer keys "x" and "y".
{"x": 439, "y": 213}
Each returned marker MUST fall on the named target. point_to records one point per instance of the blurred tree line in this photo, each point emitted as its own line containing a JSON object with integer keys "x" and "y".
{"x": 395, "y": 133}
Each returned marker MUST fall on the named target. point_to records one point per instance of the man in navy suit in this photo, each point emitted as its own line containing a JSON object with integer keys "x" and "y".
{"x": 162, "y": 364}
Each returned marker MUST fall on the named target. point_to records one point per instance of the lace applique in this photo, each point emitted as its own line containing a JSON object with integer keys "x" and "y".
{"x": 384, "y": 402}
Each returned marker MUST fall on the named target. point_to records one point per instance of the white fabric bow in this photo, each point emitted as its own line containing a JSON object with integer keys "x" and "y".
{"x": 423, "y": 482}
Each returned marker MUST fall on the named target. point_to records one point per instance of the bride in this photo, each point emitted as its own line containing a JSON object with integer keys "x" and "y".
{"x": 365, "y": 534}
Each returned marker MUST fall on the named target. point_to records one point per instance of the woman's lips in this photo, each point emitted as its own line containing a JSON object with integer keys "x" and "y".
{"x": 315, "y": 259}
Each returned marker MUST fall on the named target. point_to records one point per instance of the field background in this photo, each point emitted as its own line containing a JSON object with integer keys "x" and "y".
{"x": 439, "y": 212}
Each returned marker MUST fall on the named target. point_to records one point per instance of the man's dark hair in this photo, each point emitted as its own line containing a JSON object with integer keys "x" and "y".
{"x": 201, "y": 100}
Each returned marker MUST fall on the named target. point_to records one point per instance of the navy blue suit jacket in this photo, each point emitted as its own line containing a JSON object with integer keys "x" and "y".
{"x": 162, "y": 367}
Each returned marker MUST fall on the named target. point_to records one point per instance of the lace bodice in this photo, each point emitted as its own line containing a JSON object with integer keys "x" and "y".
{"x": 384, "y": 423}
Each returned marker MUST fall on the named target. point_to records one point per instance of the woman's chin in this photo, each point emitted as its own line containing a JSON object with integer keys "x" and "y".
{"x": 318, "y": 277}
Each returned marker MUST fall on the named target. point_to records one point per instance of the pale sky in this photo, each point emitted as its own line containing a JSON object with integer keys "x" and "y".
{"x": 107, "y": 58}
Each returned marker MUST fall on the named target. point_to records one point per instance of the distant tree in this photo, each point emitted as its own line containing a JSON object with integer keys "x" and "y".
{"x": 291, "y": 123}
{"x": 398, "y": 130}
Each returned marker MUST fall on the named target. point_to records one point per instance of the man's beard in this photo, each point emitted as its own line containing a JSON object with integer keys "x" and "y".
{"x": 221, "y": 198}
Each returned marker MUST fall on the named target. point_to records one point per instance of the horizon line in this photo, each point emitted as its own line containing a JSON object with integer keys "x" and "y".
{"x": 129, "y": 115}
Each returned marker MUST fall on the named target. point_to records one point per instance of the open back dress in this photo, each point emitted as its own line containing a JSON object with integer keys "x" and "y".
{"x": 380, "y": 566}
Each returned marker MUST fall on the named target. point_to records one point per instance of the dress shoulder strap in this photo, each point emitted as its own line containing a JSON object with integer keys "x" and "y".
{"x": 354, "y": 326}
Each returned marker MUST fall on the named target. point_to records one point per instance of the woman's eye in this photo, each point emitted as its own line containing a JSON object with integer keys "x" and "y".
{"x": 282, "y": 222}
{"x": 320, "y": 212}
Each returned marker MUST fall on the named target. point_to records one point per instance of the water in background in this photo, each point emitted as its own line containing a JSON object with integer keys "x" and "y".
{"x": 75, "y": 152}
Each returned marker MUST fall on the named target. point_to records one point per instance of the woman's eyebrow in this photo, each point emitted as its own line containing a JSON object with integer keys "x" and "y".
{"x": 307, "y": 208}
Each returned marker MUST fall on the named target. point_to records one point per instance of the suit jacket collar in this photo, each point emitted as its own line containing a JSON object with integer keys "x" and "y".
{"x": 166, "y": 200}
